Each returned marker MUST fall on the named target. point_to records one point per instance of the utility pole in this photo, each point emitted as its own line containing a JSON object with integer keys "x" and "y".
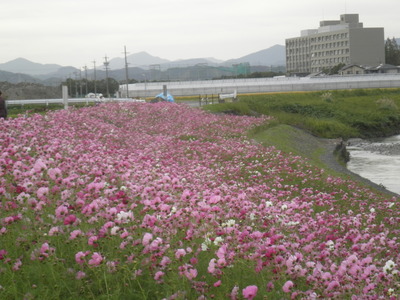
{"x": 106, "y": 64}
{"x": 85, "y": 68}
{"x": 94, "y": 69}
{"x": 80, "y": 82}
{"x": 76, "y": 84}
{"x": 126, "y": 74}
{"x": 69, "y": 85}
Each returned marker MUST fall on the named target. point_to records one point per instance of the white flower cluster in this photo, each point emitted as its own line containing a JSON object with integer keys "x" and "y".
{"x": 207, "y": 243}
{"x": 331, "y": 245}
{"x": 229, "y": 223}
{"x": 204, "y": 246}
{"x": 389, "y": 266}
{"x": 125, "y": 217}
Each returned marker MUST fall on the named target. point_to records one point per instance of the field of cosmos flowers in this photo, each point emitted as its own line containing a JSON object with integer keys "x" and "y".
{"x": 164, "y": 201}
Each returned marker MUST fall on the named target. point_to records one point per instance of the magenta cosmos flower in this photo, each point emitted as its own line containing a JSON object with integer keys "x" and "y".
{"x": 250, "y": 292}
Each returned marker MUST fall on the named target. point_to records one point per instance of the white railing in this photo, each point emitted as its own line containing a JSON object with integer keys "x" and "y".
{"x": 70, "y": 100}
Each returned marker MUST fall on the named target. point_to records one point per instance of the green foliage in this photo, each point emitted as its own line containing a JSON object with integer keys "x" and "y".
{"x": 353, "y": 113}
{"x": 235, "y": 108}
{"x": 27, "y": 109}
{"x": 78, "y": 88}
{"x": 386, "y": 103}
{"x": 392, "y": 52}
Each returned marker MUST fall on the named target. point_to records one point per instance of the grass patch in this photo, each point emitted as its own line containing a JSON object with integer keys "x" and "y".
{"x": 333, "y": 114}
{"x": 27, "y": 109}
{"x": 291, "y": 140}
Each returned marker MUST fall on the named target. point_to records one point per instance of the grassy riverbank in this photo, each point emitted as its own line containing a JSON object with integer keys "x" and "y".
{"x": 327, "y": 114}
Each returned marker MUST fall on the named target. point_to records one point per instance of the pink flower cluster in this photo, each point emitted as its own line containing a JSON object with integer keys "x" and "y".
{"x": 180, "y": 191}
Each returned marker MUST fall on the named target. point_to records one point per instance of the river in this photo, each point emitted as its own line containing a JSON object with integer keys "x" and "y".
{"x": 377, "y": 160}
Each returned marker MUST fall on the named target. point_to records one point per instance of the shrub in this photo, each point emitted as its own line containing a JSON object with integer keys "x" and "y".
{"x": 328, "y": 97}
{"x": 386, "y": 104}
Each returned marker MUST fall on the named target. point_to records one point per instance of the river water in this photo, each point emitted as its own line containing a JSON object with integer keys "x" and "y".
{"x": 377, "y": 160}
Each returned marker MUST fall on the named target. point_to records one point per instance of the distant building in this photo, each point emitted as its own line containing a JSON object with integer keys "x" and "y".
{"x": 352, "y": 70}
{"x": 335, "y": 42}
{"x": 384, "y": 69}
{"x": 359, "y": 69}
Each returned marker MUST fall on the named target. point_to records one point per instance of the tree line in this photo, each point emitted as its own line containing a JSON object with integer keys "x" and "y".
{"x": 80, "y": 88}
{"x": 392, "y": 52}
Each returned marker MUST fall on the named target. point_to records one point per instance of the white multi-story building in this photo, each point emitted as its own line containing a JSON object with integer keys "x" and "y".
{"x": 335, "y": 42}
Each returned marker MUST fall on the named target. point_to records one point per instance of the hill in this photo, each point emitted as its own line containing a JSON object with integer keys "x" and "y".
{"x": 274, "y": 56}
{"x": 22, "y": 65}
{"x": 17, "y": 77}
{"x": 142, "y": 66}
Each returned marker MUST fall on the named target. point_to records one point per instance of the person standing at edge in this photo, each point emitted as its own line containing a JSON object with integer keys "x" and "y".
{"x": 3, "y": 107}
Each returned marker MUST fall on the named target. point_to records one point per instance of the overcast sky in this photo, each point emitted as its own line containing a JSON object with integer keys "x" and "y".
{"x": 77, "y": 32}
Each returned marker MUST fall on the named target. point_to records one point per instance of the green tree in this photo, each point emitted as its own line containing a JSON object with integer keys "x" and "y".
{"x": 77, "y": 88}
{"x": 392, "y": 52}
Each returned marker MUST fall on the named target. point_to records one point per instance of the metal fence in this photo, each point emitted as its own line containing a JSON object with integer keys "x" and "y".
{"x": 263, "y": 85}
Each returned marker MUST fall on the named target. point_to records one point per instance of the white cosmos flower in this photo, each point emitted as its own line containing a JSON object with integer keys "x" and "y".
{"x": 218, "y": 240}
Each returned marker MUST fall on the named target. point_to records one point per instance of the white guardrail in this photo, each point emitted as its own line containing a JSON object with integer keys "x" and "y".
{"x": 71, "y": 100}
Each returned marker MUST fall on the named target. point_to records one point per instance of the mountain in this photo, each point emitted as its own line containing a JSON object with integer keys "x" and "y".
{"x": 191, "y": 62}
{"x": 142, "y": 66}
{"x": 137, "y": 59}
{"x": 22, "y": 65}
{"x": 274, "y": 56}
{"x": 16, "y": 77}
{"x": 146, "y": 61}
{"x": 62, "y": 72}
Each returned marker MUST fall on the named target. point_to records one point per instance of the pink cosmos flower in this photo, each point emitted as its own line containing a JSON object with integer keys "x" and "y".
{"x": 53, "y": 173}
{"x": 234, "y": 293}
{"x": 165, "y": 261}
{"x": 92, "y": 241}
{"x": 250, "y": 292}
{"x": 180, "y": 253}
{"x": 2, "y": 254}
{"x": 45, "y": 250}
{"x": 80, "y": 275}
{"x": 17, "y": 265}
{"x": 217, "y": 284}
{"x": 79, "y": 257}
{"x": 147, "y": 238}
{"x": 158, "y": 276}
{"x": 54, "y": 231}
{"x": 70, "y": 219}
{"x": 191, "y": 273}
{"x": 39, "y": 165}
{"x": 211, "y": 266}
{"x": 41, "y": 192}
{"x": 96, "y": 259}
{"x": 287, "y": 286}
{"x": 74, "y": 234}
{"x": 61, "y": 211}
{"x": 333, "y": 284}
